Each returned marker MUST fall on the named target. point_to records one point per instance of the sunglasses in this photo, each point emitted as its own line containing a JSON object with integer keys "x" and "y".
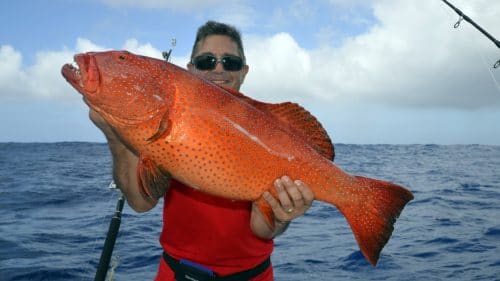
{"x": 209, "y": 62}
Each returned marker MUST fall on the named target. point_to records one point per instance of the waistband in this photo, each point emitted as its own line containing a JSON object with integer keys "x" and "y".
{"x": 193, "y": 272}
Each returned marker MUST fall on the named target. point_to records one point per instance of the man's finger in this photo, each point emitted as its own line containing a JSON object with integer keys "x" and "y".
{"x": 275, "y": 205}
{"x": 284, "y": 198}
{"x": 306, "y": 192}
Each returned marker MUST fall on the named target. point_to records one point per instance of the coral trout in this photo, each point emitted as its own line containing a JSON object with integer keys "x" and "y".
{"x": 226, "y": 144}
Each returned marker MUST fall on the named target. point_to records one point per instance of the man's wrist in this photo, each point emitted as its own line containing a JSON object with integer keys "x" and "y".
{"x": 280, "y": 227}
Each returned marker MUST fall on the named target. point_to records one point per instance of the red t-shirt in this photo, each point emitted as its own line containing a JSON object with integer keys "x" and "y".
{"x": 211, "y": 231}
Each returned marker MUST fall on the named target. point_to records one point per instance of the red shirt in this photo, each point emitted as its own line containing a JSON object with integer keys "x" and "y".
{"x": 211, "y": 231}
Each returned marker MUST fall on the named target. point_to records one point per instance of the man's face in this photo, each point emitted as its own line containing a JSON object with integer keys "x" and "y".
{"x": 219, "y": 46}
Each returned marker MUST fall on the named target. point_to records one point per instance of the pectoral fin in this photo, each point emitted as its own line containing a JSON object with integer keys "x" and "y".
{"x": 266, "y": 211}
{"x": 163, "y": 129}
{"x": 153, "y": 180}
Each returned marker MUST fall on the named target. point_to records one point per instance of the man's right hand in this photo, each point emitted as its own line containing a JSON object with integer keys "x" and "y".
{"x": 102, "y": 125}
{"x": 124, "y": 167}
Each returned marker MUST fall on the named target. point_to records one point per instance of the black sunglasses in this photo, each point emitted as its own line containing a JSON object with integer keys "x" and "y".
{"x": 209, "y": 62}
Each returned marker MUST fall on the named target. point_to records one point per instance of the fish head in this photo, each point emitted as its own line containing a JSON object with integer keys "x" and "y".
{"x": 126, "y": 89}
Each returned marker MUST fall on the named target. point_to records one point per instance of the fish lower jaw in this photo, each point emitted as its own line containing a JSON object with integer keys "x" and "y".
{"x": 74, "y": 66}
{"x": 73, "y": 75}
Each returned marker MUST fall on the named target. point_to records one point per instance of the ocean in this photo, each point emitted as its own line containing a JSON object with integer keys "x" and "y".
{"x": 55, "y": 208}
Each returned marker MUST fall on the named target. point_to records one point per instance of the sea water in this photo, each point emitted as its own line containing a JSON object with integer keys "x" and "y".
{"x": 55, "y": 209}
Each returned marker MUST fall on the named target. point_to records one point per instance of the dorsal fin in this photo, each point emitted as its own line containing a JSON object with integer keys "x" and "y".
{"x": 298, "y": 119}
{"x": 306, "y": 125}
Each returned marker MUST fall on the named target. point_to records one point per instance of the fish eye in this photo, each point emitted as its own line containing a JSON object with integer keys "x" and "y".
{"x": 121, "y": 57}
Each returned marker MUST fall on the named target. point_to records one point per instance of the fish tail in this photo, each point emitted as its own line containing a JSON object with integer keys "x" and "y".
{"x": 373, "y": 212}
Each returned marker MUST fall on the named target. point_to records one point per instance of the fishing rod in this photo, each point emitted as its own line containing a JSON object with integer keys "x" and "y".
{"x": 469, "y": 20}
{"x": 166, "y": 55}
{"x": 109, "y": 243}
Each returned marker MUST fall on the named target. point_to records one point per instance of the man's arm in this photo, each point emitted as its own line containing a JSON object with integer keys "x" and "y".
{"x": 124, "y": 167}
{"x": 294, "y": 199}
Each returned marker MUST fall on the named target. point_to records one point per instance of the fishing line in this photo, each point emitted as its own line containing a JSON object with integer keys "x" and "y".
{"x": 491, "y": 72}
{"x": 96, "y": 240}
{"x": 484, "y": 60}
{"x": 111, "y": 186}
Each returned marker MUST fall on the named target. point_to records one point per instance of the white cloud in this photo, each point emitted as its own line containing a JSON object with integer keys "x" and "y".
{"x": 39, "y": 80}
{"x": 85, "y": 45}
{"x": 43, "y": 79}
{"x": 10, "y": 70}
{"x": 412, "y": 57}
{"x": 132, "y": 45}
{"x": 279, "y": 68}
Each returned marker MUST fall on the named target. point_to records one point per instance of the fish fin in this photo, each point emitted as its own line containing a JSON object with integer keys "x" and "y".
{"x": 301, "y": 121}
{"x": 372, "y": 217}
{"x": 153, "y": 180}
{"x": 266, "y": 211}
{"x": 164, "y": 128}
{"x": 305, "y": 125}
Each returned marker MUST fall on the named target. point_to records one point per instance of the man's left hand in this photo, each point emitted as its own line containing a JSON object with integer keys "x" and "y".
{"x": 294, "y": 199}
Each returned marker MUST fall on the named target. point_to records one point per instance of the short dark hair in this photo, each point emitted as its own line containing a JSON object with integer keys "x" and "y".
{"x": 217, "y": 28}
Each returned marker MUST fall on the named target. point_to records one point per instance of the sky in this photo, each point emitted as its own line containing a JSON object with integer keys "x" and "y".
{"x": 371, "y": 71}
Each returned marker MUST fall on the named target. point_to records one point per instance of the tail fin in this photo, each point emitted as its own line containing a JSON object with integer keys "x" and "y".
{"x": 372, "y": 217}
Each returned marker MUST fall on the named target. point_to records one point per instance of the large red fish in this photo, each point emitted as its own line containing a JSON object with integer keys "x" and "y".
{"x": 226, "y": 144}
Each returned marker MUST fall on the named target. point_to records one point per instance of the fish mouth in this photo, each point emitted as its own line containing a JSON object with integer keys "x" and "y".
{"x": 84, "y": 76}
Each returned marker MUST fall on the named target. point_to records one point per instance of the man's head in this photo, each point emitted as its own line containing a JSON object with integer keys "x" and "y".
{"x": 218, "y": 55}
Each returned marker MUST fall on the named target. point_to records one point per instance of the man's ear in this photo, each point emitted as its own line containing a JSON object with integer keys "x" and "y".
{"x": 244, "y": 72}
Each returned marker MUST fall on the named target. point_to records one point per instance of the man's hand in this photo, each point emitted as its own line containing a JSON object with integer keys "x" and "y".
{"x": 102, "y": 125}
{"x": 294, "y": 199}
{"x": 125, "y": 168}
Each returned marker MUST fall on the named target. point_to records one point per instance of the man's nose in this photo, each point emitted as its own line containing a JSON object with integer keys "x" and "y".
{"x": 219, "y": 67}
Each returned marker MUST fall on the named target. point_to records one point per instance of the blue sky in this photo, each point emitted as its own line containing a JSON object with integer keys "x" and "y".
{"x": 372, "y": 71}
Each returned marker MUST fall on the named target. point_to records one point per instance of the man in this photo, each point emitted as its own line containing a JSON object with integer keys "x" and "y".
{"x": 202, "y": 233}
